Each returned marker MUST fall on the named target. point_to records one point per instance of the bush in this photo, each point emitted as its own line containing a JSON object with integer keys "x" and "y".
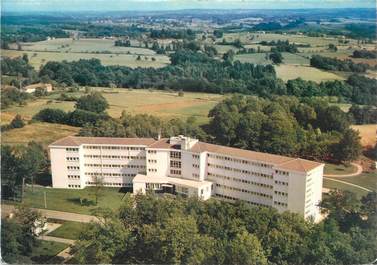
{"x": 51, "y": 115}
{"x": 17, "y": 122}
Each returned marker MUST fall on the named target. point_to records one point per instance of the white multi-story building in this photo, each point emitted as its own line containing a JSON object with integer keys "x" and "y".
{"x": 189, "y": 167}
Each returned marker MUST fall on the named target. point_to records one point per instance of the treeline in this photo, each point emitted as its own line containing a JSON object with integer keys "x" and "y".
{"x": 172, "y": 34}
{"x": 281, "y": 46}
{"x": 189, "y": 71}
{"x": 193, "y": 71}
{"x": 172, "y": 230}
{"x": 333, "y": 64}
{"x": 17, "y": 66}
{"x": 357, "y": 89}
{"x": 364, "y": 54}
{"x": 363, "y": 114}
{"x": 284, "y": 125}
{"x": 11, "y": 34}
{"x": 122, "y": 43}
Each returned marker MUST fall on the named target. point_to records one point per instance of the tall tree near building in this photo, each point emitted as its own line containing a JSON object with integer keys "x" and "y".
{"x": 349, "y": 147}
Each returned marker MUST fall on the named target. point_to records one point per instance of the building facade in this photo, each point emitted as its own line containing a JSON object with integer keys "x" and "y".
{"x": 186, "y": 166}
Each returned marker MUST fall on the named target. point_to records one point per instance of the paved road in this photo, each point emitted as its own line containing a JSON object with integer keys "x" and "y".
{"x": 351, "y": 184}
{"x": 358, "y": 172}
{"x": 6, "y": 209}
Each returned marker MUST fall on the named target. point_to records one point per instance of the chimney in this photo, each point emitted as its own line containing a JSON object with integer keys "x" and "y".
{"x": 159, "y": 135}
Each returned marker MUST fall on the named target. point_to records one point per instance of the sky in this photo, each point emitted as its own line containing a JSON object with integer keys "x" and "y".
{"x": 123, "y": 5}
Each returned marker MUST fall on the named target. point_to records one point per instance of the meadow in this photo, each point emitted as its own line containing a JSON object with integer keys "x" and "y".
{"x": 368, "y": 134}
{"x": 37, "y": 58}
{"x": 165, "y": 105}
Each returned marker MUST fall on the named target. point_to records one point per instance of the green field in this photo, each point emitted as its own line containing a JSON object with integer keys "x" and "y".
{"x": 159, "y": 103}
{"x": 46, "y": 251}
{"x": 69, "y": 230}
{"x": 366, "y": 180}
{"x": 339, "y": 169}
{"x": 68, "y": 200}
{"x": 38, "y": 58}
{"x": 328, "y": 183}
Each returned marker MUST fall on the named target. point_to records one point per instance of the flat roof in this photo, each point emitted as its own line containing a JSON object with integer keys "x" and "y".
{"x": 279, "y": 161}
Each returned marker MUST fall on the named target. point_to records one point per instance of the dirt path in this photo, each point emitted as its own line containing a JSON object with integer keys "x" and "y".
{"x": 6, "y": 209}
{"x": 358, "y": 172}
{"x": 347, "y": 183}
{"x": 57, "y": 239}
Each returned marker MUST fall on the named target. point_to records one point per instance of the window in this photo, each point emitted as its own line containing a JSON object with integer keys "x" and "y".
{"x": 175, "y": 164}
{"x": 175, "y": 172}
{"x": 174, "y": 154}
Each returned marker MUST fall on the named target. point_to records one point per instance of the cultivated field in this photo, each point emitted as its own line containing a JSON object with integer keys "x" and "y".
{"x": 82, "y": 46}
{"x": 289, "y": 71}
{"x": 367, "y": 133}
{"x": 39, "y": 58}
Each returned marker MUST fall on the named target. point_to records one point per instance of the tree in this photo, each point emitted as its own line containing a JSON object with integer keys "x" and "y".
{"x": 349, "y": 147}
{"x": 93, "y": 102}
{"x": 228, "y": 56}
{"x": 11, "y": 179}
{"x": 33, "y": 161}
{"x": 276, "y": 57}
{"x": 101, "y": 242}
{"x": 17, "y": 122}
{"x": 245, "y": 249}
{"x": 98, "y": 188}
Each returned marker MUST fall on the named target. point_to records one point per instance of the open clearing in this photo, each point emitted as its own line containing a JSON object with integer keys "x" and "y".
{"x": 288, "y": 72}
{"x": 367, "y": 133}
{"x": 37, "y": 59}
{"x": 83, "y": 46}
{"x": 165, "y": 105}
{"x": 159, "y": 103}
{"x": 41, "y": 132}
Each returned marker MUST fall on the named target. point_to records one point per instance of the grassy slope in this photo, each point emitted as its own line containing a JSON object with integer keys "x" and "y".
{"x": 41, "y": 132}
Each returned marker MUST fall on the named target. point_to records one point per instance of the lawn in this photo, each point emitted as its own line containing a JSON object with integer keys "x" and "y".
{"x": 289, "y": 71}
{"x": 69, "y": 230}
{"x": 367, "y": 133}
{"x": 68, "y": 200}
{"x": 39, "y": 58}
{"x": 46, "y": 251}
{"x": 339, "y": 169}
{"x": 366, "y": 180}
{"x": 41, "y": 132}
{"x": 328, "y": 183}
